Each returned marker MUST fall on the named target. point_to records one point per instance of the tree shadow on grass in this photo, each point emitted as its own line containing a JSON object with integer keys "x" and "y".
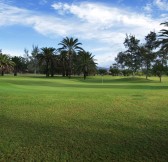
{"x": 46, "y": 83}
{"x": 117, "y": 80}
{"x": 83, "y": 141}
{"x": 97, "y": 79}
{"x": 90, "y": 83}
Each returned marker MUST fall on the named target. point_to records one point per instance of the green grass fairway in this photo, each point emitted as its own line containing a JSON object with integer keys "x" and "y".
{"x": 57, "y": 119}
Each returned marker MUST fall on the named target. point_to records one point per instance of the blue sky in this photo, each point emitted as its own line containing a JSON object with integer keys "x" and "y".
{"x": 100, "y": 26}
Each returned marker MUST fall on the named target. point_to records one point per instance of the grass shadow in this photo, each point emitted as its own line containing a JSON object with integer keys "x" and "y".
{"x": 95, "y": 79}
{"x": 48, "y": 83}
{"x": 85, "y": 140}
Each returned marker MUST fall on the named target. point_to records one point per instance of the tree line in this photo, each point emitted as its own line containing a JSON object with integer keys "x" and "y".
{"x": 149, "y": 58}
{"x": 69, "y": 59}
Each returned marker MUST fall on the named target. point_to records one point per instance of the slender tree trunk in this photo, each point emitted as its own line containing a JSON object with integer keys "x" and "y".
{"x": 16, "y": 69}
{"x": 2, "y": 73}
{"x": 67, "y": 72}
{"x": 15, "y": 72}
{"x": 52, "y": 73}
{"x": 160, "y": 77}
{"x": 47, "y": 74}
{"x": 146, "y": 73}
{"x": 133, "y": 73}
{"x": 85, "y": 72}
{"x": 52, "y": 69}
{"x": 63, "y": 70}
{"x": 47, "y": 69}
{"x": 35, "y": 71}
{"x": 70, "y": 68}
{"x": 147, "y": 70}
{"x": 84, "y": 75}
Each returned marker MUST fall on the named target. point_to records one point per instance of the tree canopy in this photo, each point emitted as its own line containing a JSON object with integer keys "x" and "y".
{"x": 149, "y": 58}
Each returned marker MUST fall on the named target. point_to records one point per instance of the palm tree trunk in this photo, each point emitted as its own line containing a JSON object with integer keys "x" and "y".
{"x": 47, "y": 69}
{"x": 63, "y": 69}
{"x": 15, "y": 72}
{"x": 84, "y": 75}
{"x": 52, "y": 69}
{"x": 85, "y": 72}
{"x": 67, "y": 72}
{"x": 70, "y": 68}
{"x": 63, "y": 73}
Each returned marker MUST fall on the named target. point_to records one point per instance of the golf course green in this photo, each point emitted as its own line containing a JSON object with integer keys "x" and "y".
{"x": 60, "y": 119}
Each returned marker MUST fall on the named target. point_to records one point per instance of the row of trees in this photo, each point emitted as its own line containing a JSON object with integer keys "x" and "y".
{"x": 6, "y": 64}
{"x": 150, "y": 57}
{"x": 67, "y": 60}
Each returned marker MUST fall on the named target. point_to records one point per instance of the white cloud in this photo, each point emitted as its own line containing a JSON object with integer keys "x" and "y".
{"x": 164, "y": 16}
{"x": 106, "y": 23}
{"x": 44, "y": 24}
{"x": 57, "y": 6}
{"x": 98, "y": 23}
{"x": 161, "y": 4}
{"x": 101, "y": 15}
{"x": 148, "y": 8}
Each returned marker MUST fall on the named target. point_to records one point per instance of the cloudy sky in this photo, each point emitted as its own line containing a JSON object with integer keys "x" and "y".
{"x": 100, "y": 25}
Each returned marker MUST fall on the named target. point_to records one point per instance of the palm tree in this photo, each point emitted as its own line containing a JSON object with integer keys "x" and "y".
{"x": 86, "y": 63}
{"x": 18, "y": 64}
{"x": 6, "y": 64}
{"x": 64, "y": 62}
{"x": 71, "y": 46}
{"x": 46, "y": 57}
